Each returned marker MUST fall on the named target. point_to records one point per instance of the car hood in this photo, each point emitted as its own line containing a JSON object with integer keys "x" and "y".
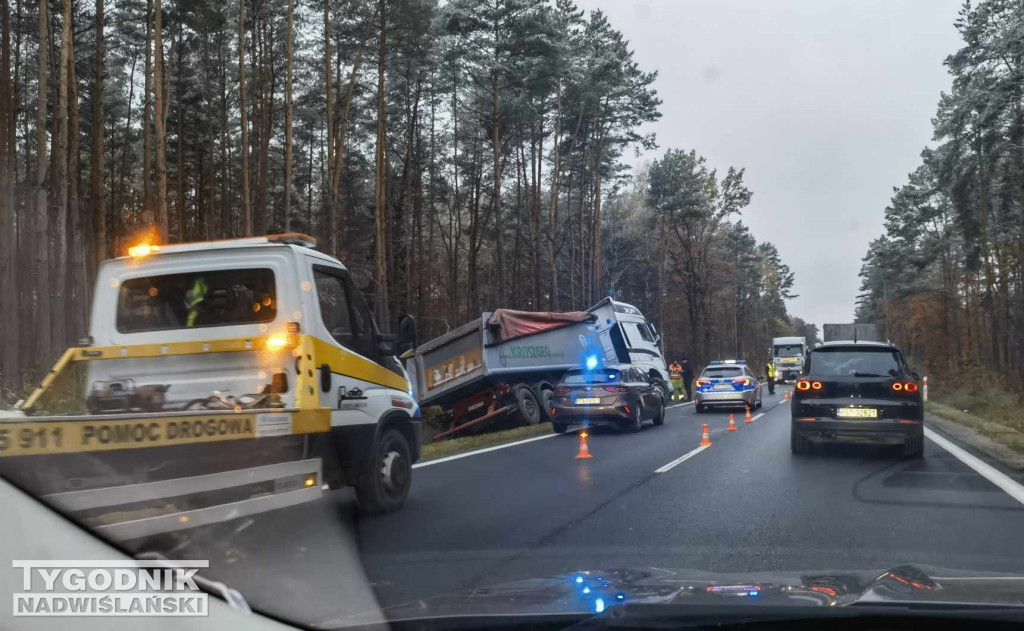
{"x": 592, "y": 591}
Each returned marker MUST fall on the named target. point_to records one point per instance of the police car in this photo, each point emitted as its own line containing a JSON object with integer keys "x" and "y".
{"x": 727, "y": 383}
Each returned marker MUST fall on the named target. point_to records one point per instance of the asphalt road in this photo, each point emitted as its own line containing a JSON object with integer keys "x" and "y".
{"x": 532, "y": 510}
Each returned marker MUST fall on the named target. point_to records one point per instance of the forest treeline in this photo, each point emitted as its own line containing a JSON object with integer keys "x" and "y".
{"x": 457, "y": 156}
{"x": 946, "y": 278}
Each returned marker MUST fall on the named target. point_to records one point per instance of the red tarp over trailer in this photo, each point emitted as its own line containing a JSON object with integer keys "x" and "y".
{"x": 509, "y": 324}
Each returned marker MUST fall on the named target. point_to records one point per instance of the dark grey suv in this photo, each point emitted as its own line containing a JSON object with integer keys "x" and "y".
{"x": 857, "y": 391}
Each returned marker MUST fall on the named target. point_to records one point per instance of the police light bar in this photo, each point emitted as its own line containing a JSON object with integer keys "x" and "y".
{"x": 730, "y": 362}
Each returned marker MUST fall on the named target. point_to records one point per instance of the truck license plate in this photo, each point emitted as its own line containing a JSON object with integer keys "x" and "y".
{"x": 857, "y": 413}
{"x": 587, "y": 401}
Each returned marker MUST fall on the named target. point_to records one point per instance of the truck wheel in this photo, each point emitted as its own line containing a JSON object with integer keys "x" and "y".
{"x": 547, "y": 395}
{"x": 529, "y": 407}
{"x": 559, "y": 428}
{"x": 384, "y": 484}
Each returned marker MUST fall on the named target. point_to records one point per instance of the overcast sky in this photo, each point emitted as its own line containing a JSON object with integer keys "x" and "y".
{"x": 826, "y": 103}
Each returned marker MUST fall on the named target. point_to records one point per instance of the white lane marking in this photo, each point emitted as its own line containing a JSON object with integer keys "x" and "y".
{"x": 758, "y": 416}
{"x": 681, "y": 459}
{"x": 482, "y": 451}
{"x": 497, "y": 447}
{"x": 987, "y": 471}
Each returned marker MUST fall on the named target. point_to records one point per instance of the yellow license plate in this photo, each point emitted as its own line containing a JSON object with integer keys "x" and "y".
{"x": 857, "y": 413}
{"x": 586, "y": 401}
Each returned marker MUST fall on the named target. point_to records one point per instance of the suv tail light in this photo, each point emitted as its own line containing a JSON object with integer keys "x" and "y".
{"x": 703, "y": 382}
{"x": 561, "y": 390}
{"x": 616, "y": 389}
{"x": 804, "y": 385}
{"x": 907, "y": 386}
{"x": 742, "y": 382}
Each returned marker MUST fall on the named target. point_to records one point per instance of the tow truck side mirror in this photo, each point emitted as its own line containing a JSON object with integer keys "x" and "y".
{"x": 407, "y": 334}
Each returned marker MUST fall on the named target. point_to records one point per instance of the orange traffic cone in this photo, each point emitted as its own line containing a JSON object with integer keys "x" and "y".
{"x": 584, "y": 451}
{"x": 748, "y": 419}
{"x": 705, "y": 440}
{"x": 732, "y": 423}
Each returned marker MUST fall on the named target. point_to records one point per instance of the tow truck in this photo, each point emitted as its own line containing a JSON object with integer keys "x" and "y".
{"x": 219, "y": 380}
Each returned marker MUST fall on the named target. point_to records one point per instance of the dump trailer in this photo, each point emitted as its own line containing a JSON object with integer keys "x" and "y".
{"x": 505, "y": 364}
{"x": 861, "y": 332}
{"x": 219, "y": 380}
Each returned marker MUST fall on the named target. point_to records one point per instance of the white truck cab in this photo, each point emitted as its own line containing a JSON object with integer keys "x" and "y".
{"x": 628, "y": 336}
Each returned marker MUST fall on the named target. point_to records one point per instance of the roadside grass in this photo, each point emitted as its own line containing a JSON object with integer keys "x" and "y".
{"x": 990, "y": 411}
{"x": 453, "y": 446}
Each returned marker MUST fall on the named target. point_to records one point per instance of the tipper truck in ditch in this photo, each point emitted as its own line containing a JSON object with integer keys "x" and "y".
{"x": 505, "y": 364}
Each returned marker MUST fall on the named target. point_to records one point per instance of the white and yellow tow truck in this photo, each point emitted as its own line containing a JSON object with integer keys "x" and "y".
{"x": 219, "y": 380}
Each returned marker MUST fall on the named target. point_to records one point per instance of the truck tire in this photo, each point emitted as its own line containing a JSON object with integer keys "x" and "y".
{"x": 547, "y": 395}
{"x": 559, "y": 428}
{"x": 528, "y": 405}
{"x": 384, "y": 483}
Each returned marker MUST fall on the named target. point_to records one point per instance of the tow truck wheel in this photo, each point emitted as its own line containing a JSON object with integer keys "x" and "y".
{"x": 529, "y": 407}
{"x": 384, "y": 484}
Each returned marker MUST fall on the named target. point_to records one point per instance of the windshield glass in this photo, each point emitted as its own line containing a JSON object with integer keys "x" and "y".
{"x": 591, "y": 376}
{"x": 444, "y": 311}
{"x": 722, "y": 371}
{"x": 196, "y": 299}
{"x": 853, "y": 362}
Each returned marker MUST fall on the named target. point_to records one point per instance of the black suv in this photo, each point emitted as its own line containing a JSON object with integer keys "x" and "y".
{"x": 857, "y": 391}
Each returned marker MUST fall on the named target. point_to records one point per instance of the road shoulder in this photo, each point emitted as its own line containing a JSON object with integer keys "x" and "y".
{"x": 975, "y": 439}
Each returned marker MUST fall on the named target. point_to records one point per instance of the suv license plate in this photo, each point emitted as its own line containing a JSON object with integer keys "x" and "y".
{"x": 722, "y": 386}
{"x": 856, "y": 413}
{"x": 587, "y": 401}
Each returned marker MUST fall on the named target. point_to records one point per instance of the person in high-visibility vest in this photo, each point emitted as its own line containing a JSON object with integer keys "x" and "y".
{"x": 770, "y": 368}
{"x": 675, "y": 373}
{"x": 193, "y": 299}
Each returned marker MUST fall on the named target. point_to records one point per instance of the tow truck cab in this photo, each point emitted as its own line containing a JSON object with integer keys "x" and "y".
{"x": 191, "y": 345}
